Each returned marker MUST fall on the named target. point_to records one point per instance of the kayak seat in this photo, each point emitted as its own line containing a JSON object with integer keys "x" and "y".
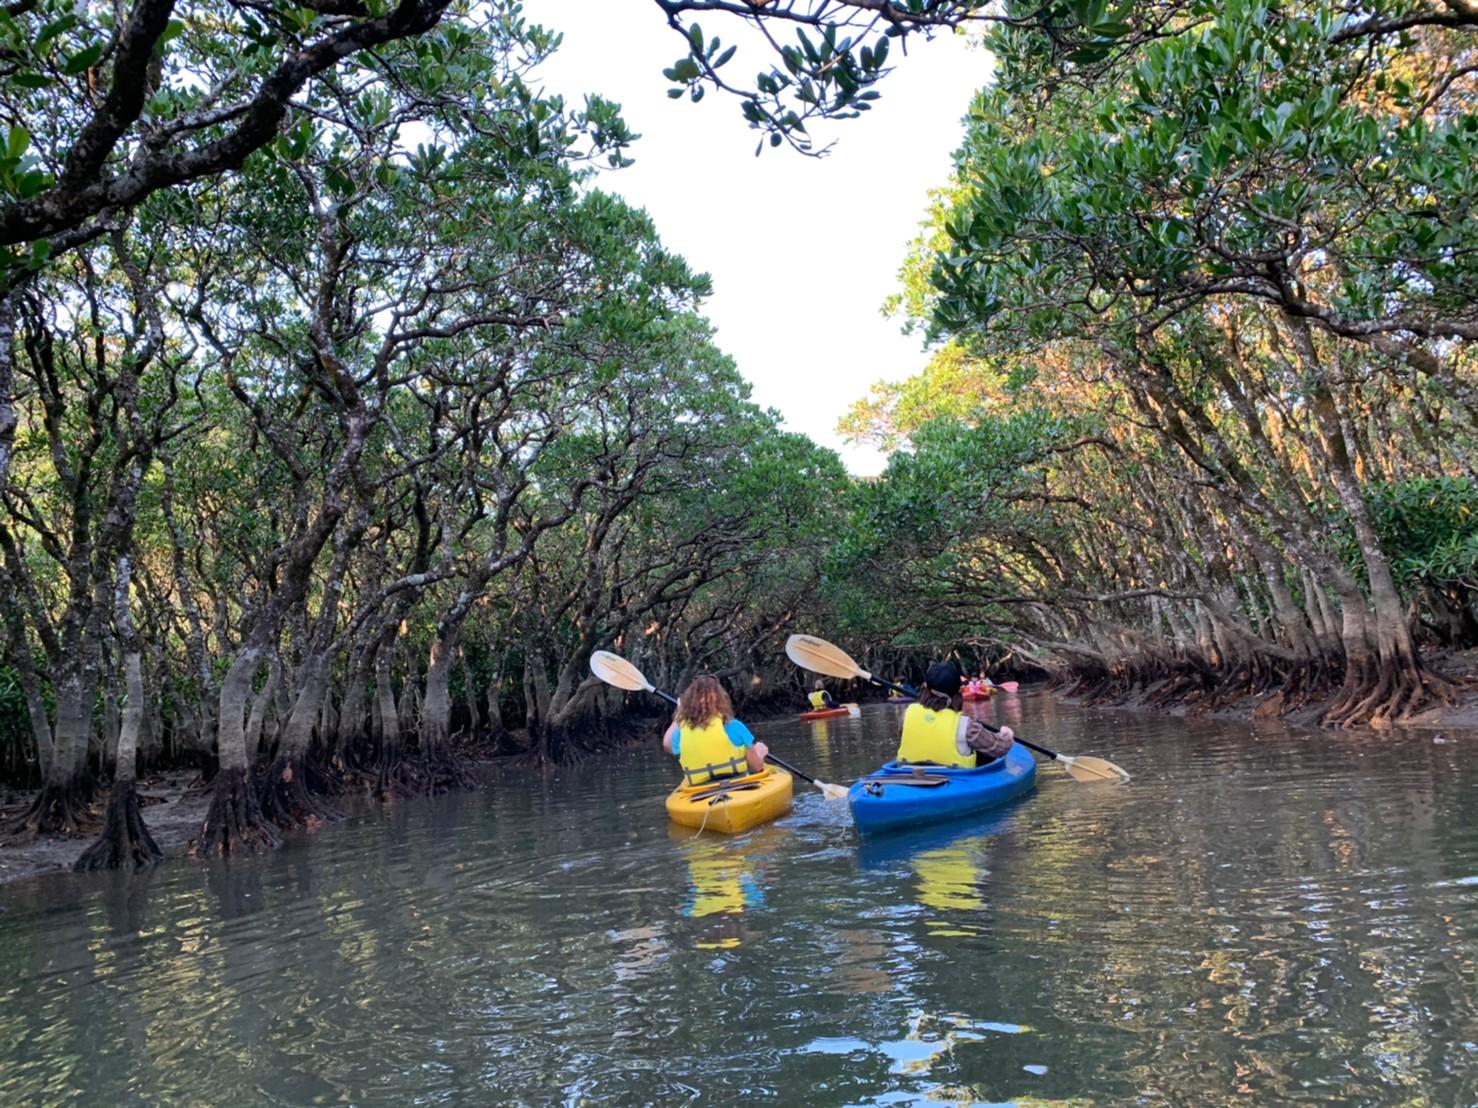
{"x": 720, "y": 793}
{"x": 874, "y": 786}
{"x": 898, "y": 769}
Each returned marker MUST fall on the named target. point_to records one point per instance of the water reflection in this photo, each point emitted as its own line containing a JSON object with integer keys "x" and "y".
{"x": 1255, "y": 919}
{"x": 722, "y": 883}
{"x": 720, "y": 878}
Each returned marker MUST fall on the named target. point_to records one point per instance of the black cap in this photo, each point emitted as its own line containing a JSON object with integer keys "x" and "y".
{"x": 943, "y": 677}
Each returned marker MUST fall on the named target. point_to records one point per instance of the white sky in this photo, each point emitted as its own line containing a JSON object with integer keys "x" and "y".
{"x": 802, "y": 251}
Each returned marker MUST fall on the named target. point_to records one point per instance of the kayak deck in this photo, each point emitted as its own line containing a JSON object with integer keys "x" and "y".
{"x": 825, "y": 713}
{"x": 912, "y": 795}
{"x": 732, "y": 804}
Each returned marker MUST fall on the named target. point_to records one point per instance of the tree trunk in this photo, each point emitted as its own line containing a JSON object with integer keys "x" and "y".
{"x": 7, "y": 382}
{"x": 260, "y": 705}
{"x": 234, "y": 822}
{"x": 469, "y": 685}
{"x": 1398, "y": 684}
{"x": 61, "y": 806}
{"x": 436, "y": 711}
{"x": 125, "y": 840}
{"x": 286, "y": 798}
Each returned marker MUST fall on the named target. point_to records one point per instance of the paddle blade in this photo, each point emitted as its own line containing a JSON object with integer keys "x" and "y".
{"x": 1008, "y": 686}
{"x": 616, "y": 670}
{"x": 1085, "y": 767}
{"x": 853, "y": 710}
{"x": 832, "y": 792}
{"x": 819, "y": 656}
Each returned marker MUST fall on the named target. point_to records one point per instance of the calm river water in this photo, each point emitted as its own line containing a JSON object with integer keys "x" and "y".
{"x": 1258, "y": 918}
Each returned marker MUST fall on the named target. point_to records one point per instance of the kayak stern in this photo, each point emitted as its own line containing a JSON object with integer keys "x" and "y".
{"x": 732, "y": 804}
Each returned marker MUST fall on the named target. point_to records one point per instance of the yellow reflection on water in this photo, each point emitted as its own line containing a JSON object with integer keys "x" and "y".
{"x": 722, "y": 884}
{"x": 951, "y": 880}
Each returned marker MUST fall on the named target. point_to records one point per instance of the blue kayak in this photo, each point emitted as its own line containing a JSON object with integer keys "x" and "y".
{"x": 911, "y": 795}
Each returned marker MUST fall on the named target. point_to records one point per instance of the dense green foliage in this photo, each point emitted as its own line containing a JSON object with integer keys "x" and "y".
{"x": 1235, "y": 240}
{"x": 340, "y": 413}
{"x": 370, "y": 443}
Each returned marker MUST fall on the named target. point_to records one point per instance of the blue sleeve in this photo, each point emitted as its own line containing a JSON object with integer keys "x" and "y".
{"x": 738, "y": 734}
{"x": 677, "y": 740}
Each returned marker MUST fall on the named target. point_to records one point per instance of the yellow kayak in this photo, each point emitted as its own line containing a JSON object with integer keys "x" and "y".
{"x": 732, "y": 804}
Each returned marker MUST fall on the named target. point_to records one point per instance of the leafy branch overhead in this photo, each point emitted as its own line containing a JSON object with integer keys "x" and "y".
{"x": 830, "y": 56}
{"x": 109, "y": 105}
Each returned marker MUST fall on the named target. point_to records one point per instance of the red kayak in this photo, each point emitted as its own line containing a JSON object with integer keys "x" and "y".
{"x": 824, "y": 713}
{"x": 977, "y": 694}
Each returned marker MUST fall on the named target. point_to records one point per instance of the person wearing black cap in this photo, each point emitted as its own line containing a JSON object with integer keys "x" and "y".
{"x": 936, "y": 732}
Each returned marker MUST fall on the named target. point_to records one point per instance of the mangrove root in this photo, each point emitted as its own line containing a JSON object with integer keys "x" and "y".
{"x": 234, "y": 824}
{"x": 125, "y": 841}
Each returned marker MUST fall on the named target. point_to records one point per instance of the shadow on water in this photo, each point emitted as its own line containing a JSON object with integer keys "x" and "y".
{"x": 1260, "y": 917}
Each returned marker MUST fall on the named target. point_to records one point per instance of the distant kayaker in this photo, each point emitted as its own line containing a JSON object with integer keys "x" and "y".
{"x": 708, "y": 741}
{"x": 820, "y": 698}
{"x": 936, "y": 731}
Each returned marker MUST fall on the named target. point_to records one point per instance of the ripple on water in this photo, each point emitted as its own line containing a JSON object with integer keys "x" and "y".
{"x": 1265, "y": 919}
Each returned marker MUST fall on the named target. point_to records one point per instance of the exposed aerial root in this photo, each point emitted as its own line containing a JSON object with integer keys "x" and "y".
{"x": 234, "y": 824}
{"x": 285, "y": 800}
{"x": 125, "y": 842}
{"x": 57, "y": 810}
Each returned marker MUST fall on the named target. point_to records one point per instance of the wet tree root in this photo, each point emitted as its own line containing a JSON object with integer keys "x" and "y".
{"x": 234, "y": 824}
{"x": 125, "y": 842}
{"x": 285, "y": 800}
{"x": 57, "y": 810}
{"x": 1388, "y": 696}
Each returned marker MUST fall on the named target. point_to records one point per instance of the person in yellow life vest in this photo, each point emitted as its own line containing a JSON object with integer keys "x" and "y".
{"x": 708, "y": 741}
{"x": 820, "y": 698}
{"x": 935, "y": 730}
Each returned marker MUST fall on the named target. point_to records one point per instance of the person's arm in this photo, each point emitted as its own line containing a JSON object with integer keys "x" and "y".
{"x": 828, "y": 699}
{"x": 988, "y": 744}
{"x": 669, "y": 740}
{"x": 754, "y": 750}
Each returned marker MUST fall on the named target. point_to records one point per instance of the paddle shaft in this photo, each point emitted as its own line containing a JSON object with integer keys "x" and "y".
{"x": 774, "y": 761}
{"x": 906, "y": 691}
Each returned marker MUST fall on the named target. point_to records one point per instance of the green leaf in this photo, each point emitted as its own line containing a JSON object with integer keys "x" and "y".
{"x": 83, "y": 60}
{"x": 54, "y": 28}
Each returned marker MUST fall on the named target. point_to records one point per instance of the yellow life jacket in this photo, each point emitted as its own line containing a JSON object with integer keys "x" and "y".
{"x": 818, "y": 700}
{"x": 930, "y": 737}
{"x": 706, "y": 753}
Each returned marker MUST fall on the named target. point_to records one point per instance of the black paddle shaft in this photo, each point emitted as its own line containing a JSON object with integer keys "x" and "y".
{"x": 788, "y": 768}
{"x": 907, "y": 691}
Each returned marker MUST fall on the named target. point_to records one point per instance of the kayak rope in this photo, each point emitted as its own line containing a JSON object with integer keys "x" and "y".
{"x": 707, "y": 809}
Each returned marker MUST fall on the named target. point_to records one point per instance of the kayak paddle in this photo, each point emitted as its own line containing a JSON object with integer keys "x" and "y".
{"x": 616, "y": 670}
{"x": 820, "y": 656}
